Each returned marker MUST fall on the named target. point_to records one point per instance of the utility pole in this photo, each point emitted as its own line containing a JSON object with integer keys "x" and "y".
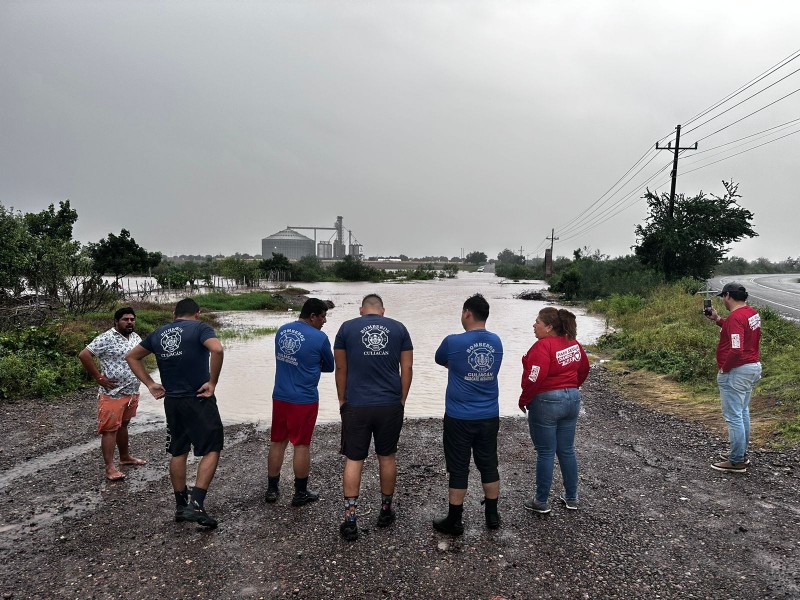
{"x": 675, "y": 166}
{"x": 548, "y": 254}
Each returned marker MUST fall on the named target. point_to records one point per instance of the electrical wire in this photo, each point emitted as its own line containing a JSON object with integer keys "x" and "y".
{"x": 748, "y": 115}
{"x": 742, "y": 152}
{"x": 787, "y": 123}
{"x": 749, "y": 84}
{"x": 742, "y": 102}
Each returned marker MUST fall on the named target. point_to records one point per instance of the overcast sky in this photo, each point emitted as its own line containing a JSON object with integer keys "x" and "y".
{"x": 429, "y": 126}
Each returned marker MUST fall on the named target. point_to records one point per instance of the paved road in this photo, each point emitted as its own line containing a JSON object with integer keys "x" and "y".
{"x": 780, "y": 292}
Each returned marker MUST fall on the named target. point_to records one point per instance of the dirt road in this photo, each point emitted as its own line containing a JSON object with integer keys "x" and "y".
{"x": 655, "y": 521}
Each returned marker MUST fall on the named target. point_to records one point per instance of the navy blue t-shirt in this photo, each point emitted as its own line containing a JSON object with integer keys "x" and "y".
{"x": 302, "y": 352}
{"x": 181, "y": 356}
{"x": 473, "y": 359}
{"x": 373, "y": 344}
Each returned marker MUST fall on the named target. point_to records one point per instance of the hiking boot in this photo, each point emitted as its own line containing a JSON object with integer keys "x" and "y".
{"x": 349, "y": 530}
{"x": 386, "y": 517}
{"x": 493, "y": 520}
{"x": 727, "y": 457}
{"x": 304, "y": 497}
{"x": 569, "y": 503}
{"x": 179, "y": 518}
{"x": 538, "y": 507}
{"x": 194, "y": 513}
{"x": 730, "y": 467}
{"x": 271, "y": 495}
{"x": 490, "y": 513}
{"x": 449, "y": 527}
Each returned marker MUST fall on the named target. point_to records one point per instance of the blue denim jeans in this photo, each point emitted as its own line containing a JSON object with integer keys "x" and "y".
{"x": 735, "y": 388}
{"x": 552, "y": 419}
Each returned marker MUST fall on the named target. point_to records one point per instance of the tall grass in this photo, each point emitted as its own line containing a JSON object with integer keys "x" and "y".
{"x": 667, "y": 333}
{"x": 248, "y": 301}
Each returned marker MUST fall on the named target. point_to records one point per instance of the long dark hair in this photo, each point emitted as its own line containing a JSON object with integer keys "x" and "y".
{"x": 562, "y": 321}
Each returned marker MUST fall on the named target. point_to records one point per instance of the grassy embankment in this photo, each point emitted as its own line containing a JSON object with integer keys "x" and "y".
{"x": 663, "y": 350}
{"x": 41, "y": 362}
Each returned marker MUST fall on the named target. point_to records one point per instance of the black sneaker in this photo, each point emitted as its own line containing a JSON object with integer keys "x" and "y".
{"x": 386, "y": 517}
{"x": 271, "y": 495}
{"x": 539, "y": 507}
{"x": 449, "y": 527}
{"x": 179, "y": 518}
{"x": 194, "y": 513}
{"x": 569, "y": 503}
{"x": 349, "y": 530}
{"x": 303, "y": 498}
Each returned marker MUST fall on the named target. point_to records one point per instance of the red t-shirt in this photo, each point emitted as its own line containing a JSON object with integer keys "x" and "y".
{"x": 739, "y": 339}
{"x": 552, "y": 363}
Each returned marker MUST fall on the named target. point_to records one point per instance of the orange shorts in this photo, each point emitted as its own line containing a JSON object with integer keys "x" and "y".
{"x": 112, "y": 412}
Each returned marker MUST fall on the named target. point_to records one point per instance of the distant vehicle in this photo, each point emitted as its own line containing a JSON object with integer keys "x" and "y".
{"x": 479, "y": 269}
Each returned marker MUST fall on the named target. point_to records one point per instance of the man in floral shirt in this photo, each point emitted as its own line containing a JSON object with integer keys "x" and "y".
{"x": 118, "y": 395}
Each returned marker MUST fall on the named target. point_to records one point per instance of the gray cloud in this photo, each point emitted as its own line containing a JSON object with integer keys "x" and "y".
{"x": 430, "y": 127}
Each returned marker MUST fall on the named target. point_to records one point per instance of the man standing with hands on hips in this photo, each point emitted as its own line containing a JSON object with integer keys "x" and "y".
{"x": 739, "y": 370}
{"x": 182, "y": 349}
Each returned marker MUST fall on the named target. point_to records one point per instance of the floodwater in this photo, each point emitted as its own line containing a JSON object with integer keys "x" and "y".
{"x": 429, "y": 309}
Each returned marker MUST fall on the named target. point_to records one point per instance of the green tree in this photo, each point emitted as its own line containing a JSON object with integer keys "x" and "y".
{"x": 121, "y": 255}
{"x": 507, "y": 257}
{"x": 54, "y": 252}
{"x": 476, "y": 258}
{"x": 692, "y": 241}
{"x": 16, "y": 252}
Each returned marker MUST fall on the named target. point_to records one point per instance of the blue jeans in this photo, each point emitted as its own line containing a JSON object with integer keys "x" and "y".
{"x": 552, "y": 419}
{"x": 735, "y": 388}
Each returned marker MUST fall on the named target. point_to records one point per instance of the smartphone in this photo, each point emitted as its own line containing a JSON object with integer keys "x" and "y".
{"x": 707, "y": 306}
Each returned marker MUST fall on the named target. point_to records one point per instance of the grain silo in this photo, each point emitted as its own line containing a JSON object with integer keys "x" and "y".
{"x": 290, "y": 243}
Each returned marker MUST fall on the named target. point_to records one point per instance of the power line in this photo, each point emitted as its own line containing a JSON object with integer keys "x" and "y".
{"x": 749, "y": 115}
{"x": 742, "y": 152}
{"x": 742, "y": 102}
{"x": 589, "y": 207}
{"x": 573, "y": 225}
{"x": 749, "y": 84}
{"x": 747, "y": 136}
{"x": 702, "y": 158}
{"x": 606, "y": 214}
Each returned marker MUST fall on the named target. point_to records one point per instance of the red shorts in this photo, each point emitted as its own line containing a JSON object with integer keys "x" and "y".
{"x": 112, "y": 412}
{"x": 293, "y": 422}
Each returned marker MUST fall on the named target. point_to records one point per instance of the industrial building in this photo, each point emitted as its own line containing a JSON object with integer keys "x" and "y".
{"x": 294, "y": 245}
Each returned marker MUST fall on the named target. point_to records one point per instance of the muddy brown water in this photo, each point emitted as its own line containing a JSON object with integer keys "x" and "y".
{"x": 430, "y": 310}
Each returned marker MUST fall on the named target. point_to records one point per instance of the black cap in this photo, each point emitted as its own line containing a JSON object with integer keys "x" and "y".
{"x": 732, "y": 287}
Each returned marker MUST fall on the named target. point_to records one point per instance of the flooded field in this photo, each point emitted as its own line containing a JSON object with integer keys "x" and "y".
{"x": 430, "y": 310}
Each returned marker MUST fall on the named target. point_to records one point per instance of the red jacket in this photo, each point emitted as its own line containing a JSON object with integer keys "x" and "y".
{"x": 739, "y": 339}
{"x": 552, "y": 363}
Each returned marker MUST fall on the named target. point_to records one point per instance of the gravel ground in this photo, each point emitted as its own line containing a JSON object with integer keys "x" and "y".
{"x": 655, "y": 521}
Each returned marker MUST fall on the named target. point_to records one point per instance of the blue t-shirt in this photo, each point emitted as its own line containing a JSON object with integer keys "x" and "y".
{"x": 373, "y": 344}
{"x": 181, "y": 356}
{"x": 302, "y": 352}
{"x": 473, "y": 360}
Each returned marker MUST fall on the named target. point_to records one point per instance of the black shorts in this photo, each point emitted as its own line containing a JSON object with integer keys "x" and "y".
{"x": 193, "y": 421}
{"x": 361, "y": 423}
{"x": 462, "y": 437}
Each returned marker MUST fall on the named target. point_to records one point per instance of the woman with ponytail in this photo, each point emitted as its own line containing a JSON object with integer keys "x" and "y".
{"x": 552, "y": 371}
